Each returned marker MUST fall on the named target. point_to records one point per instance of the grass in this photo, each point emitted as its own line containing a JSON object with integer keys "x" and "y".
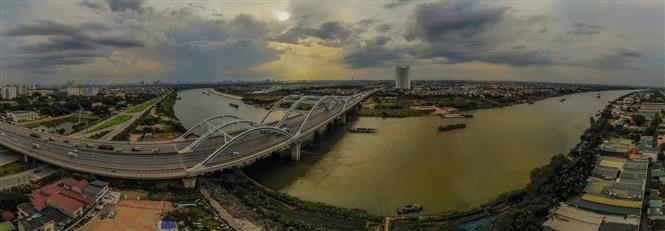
{"x": 194, "y": 218}
{"x": 13, "y": 168}
{"x": 115, "y": 121}
{"x": 144, "y": 105}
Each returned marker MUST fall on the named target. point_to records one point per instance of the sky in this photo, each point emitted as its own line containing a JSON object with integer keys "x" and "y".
{"x": 118, "y": 41}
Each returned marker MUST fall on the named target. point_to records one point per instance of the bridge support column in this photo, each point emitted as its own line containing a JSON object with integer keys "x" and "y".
{"x": 26, "y": 158}
{"x": 343, "y": 119}
{"x": 295, "y": 151}
{"x": 189, "y": 182}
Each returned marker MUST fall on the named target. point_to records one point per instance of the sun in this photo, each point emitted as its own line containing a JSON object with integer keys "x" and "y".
{"x": 282, "y": 15}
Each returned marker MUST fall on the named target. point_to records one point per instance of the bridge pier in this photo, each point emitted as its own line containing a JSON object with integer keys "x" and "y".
{"x": 26, "y": 159}
{"x": 295, "y": 151}
{"x": 189, "y": 182}
{"x": 343, "y": 119}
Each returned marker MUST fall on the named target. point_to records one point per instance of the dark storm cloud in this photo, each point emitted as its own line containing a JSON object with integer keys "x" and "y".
{"x": 456, "y": 21}
{"x": 126, "y": 5}
{"x": 65, "y": 44}
{"x": 43, "y": 27}
{"x": 583, "y": 29}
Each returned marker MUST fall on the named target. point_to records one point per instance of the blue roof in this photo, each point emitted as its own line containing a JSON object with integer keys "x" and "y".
{"x": 169, "y": 224}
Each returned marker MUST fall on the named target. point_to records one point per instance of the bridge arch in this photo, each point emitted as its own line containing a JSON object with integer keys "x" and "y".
{"x": 279, "y": 102}
{"x": 235, "y": 139}
{"x": 206, "y": 122}
{"x": 293, "y": 107}
{"x": 319, "y": 103}
{"x": 219, "y": 128}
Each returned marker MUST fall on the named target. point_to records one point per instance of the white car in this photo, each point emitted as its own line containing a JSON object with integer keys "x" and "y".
{"x": 72, "y": 154}
{"x": 235, "y": 153}
{"x": 3, "y": 134}
{"x": 118, "y": 150}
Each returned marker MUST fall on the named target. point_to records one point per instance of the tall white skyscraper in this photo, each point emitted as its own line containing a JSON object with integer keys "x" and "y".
{"x": 402, "y": 77}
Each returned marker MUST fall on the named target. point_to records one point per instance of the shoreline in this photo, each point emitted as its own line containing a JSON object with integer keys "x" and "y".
{"x": 216, "y": 92}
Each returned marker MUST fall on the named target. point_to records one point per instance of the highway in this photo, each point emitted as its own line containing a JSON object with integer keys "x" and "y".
{"x": 161, "y": 160}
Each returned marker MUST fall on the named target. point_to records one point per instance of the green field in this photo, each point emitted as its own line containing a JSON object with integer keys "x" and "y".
{"x": 115, "y": 121}
{"x": 144, "y": 105}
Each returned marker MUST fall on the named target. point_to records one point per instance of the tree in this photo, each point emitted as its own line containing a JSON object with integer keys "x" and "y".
{"x": 638, "y": 119}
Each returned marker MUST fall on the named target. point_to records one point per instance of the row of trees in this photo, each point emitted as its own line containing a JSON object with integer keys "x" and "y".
{"x": 57, "y": 105}
{"x": 564, "y": 177}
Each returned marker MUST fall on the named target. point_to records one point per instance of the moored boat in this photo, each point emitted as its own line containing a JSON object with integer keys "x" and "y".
{"x": 361, "y": 130}
{"x": 451, "y": 127}
{"x": 234, "y": 105}
{"x": 411, "y": 208}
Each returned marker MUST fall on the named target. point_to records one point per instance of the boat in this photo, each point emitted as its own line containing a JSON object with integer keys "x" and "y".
{"x": 234, "y": 105}
{"x": 451, "y": 127}
{"x": 411, "y": 208}
{"x": 563, "y": 99}
{"x": 598, "y": 96}
{"x": 361, "y": 130}
{"x": 450, "y": 116}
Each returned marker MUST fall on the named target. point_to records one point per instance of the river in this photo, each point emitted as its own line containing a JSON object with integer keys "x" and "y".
{"x": 409, "y": 161}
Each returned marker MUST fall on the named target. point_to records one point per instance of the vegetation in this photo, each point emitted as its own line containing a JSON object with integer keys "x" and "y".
{"x": 113, "y": 122}
{"x": 12, "y": 197}
{"x": 144, "y": 105}
{"x": 296, "y": 213}
{"x": 193, "y": 218}
{"x": 15, "y": 167}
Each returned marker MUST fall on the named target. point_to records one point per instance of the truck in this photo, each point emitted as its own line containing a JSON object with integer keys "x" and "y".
{"x": 35, "y": 135}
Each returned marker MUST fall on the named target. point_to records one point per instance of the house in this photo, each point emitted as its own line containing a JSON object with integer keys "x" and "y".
{"x": 48, "y": 219}
{"x": 20, "y": 116}
{"x": 74, "y": 185}
{"x": 96, "y": 189}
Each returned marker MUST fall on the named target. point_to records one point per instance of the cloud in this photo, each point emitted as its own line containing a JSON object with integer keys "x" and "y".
{"x": 398, "y": 3}
{"x": 63, "y": 44}
{"x": 617, "y": 58}
{"x": 332, "y": 33}
{"x": 126, "y": 5}
{"x": 583, "y": 29}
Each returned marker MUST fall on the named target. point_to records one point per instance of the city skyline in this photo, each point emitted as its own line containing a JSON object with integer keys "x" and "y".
{"x": 129, "y": 41}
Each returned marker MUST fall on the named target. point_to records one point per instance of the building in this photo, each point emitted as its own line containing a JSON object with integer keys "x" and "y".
{"x": 19, "y": 116}
{"x": 402, "y": 77}
{"x": 42, "y": 92}
{"x": 82, "y": 91}
{"x": 8, "y": 92}
{"x": 96, "y": 189}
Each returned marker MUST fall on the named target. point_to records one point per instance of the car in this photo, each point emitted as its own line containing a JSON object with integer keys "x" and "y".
{"x": 155, "y": 150}
{"x": 72, "y": 154}
{"x": 136, "y": 149}
{"x": 76, "y": 150}
{"x": 51, "y": 139}
{"x": 106, "y": 147}
{"x": 235, "y": 153}
{"x": 35, "y": 135}
{"x": 35, "y": 146}
{"x": 117, "y": 150}
{"x": 76, "y": 145}
{"x": 66, "y": 141}
{"x": 37, "y": 171}
{"x": 3, "y": 134}
{"x": 88, "y": 145}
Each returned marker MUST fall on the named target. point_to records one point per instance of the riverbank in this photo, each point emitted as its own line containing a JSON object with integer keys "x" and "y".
{"x": 406, "y": 106}
{"x": 216, "y": 92}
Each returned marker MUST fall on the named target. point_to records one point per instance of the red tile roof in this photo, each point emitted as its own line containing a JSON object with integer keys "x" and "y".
{"x": 65, "y": 202}
{"x": 38, "y": 200}
{"x": 81, "y": 184}
{"x": 8, "y": 216}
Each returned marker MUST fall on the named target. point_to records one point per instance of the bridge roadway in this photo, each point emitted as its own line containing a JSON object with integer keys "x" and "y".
{"x": 167, "y": 163}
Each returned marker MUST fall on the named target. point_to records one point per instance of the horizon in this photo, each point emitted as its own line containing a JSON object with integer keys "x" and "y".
{"x": 117, "y": 41}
